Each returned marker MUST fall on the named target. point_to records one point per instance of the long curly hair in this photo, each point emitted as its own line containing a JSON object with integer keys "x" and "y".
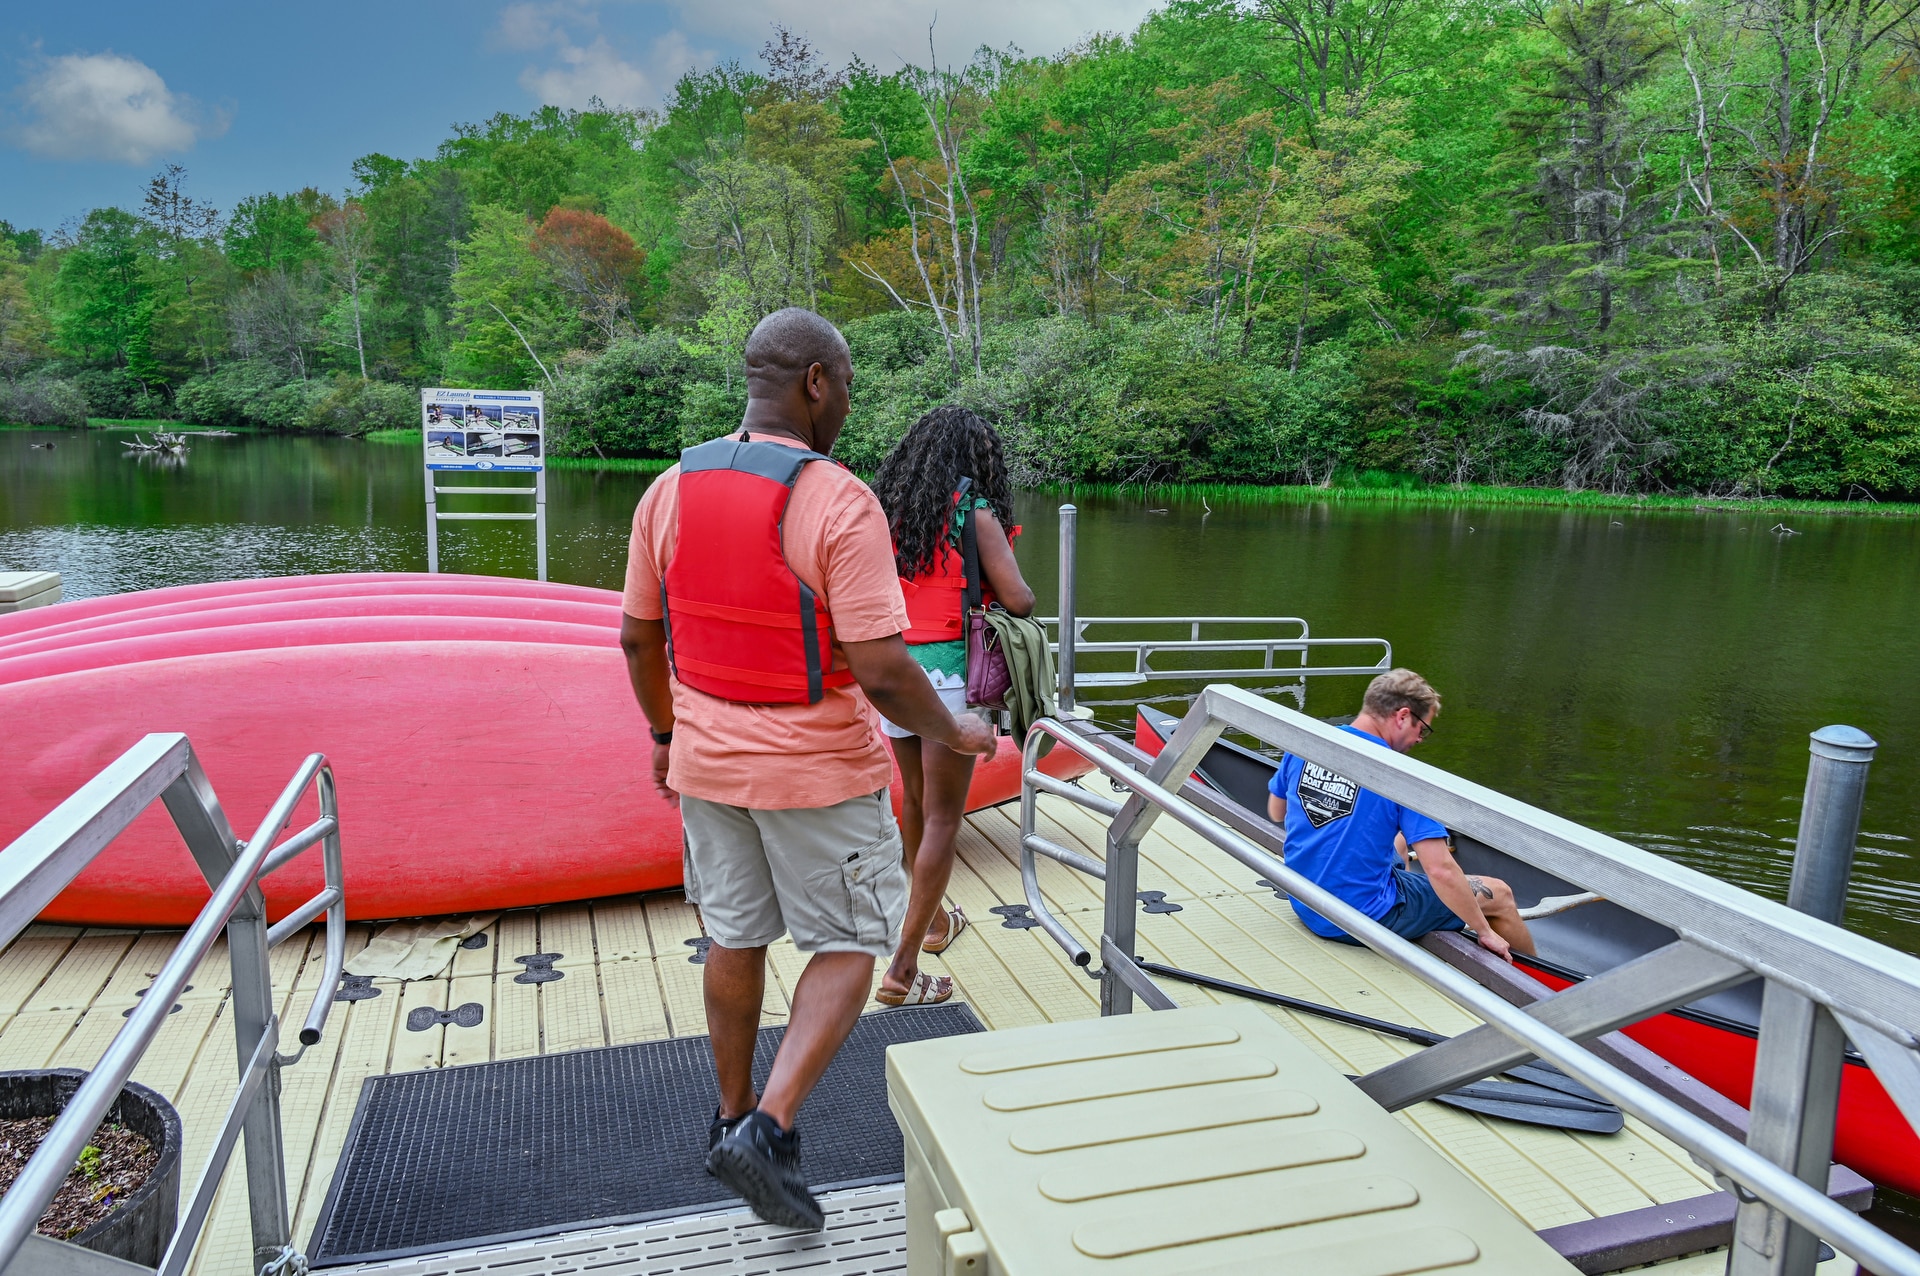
{"x": 917, "y": 481}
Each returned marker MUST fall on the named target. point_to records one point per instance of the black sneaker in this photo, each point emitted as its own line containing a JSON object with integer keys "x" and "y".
{"x": 718, "y": 1128}
{"x": 761, "y": 1162}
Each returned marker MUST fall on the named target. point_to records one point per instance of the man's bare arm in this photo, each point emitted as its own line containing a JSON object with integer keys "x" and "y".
{"x": 899, "y": 689}
{"x": 1456, "y": 892}
{"x": 645, "y": 642}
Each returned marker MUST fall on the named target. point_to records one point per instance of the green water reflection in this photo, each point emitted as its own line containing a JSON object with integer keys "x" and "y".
{"x": 1654, "y": 676}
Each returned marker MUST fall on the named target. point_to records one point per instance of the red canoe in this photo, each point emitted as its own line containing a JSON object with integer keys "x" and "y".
{"x": 486, "y": 743}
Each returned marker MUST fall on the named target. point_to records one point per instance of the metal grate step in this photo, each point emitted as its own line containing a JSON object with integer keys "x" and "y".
{"x": 866, "y": 1232}
{"x": 523, "y": 1148}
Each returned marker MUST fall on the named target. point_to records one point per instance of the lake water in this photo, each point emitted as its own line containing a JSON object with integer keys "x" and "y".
{"x": 1652, "y": 675}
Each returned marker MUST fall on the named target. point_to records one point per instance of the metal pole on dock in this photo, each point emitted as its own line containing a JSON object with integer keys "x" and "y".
{"x": 1796, "y": 1076}
{"x": 540, "y": 523}
{"x": 1069, "y": 519}
{"x": 433, "y": 524}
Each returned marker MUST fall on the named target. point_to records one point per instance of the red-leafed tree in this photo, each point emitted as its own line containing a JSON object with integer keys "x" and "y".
{"x": 594, "y": 262}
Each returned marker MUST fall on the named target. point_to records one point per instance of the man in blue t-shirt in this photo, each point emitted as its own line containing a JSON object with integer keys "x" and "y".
{"x": 1355, "y": 843}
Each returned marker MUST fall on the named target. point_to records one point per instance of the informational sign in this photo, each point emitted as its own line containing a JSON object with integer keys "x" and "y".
{"x": 501, "y": 431}
{"x": 484, "y": 429}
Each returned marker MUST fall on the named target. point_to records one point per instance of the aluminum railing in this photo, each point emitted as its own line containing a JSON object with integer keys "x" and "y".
{"x": 1824, "y": 984}
{"x": 40, "y": 864}
{"x": 1263, "y": 657}
{"x": 1200, "y": 638}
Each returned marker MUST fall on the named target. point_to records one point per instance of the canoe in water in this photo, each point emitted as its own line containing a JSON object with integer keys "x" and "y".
{"x": 1714, "y": 1038}
{"x": 487, "y": 746}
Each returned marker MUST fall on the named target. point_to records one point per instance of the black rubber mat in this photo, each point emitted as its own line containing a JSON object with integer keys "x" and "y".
{"x": 528, "y": 1147}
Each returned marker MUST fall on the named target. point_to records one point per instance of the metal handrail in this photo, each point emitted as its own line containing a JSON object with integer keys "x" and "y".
{"x": 40, "y": 863}
{"x": 1269, "y": 648}
{"x": 1727, "y": 935}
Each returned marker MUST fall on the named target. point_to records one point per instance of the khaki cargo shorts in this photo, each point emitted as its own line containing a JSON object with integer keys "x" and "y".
{"x": 831, "y": 876}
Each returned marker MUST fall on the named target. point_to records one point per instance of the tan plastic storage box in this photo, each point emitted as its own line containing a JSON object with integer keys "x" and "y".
{"x": 21, "y": 590}
{"x": 1202, "y": 1140}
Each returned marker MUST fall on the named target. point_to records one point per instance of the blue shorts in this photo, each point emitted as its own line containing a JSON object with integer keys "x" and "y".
{"x": 1419, "y": 910}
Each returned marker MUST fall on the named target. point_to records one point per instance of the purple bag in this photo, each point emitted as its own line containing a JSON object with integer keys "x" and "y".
{"x": 987, "y": 675}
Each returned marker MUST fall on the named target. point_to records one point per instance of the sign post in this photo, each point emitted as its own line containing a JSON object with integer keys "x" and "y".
{"x": 492, "y": 431}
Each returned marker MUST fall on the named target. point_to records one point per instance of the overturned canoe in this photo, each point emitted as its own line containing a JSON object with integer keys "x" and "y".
{"x": 484, "y": 736}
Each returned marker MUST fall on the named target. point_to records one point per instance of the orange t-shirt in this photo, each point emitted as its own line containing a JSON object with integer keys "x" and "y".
{"x": 778, "y": 756}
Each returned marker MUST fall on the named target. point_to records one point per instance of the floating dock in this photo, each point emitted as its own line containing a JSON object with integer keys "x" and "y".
{"x": 631, "y": 974}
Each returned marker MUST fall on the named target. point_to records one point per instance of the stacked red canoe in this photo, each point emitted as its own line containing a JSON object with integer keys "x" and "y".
{"x": 487, "y": 746}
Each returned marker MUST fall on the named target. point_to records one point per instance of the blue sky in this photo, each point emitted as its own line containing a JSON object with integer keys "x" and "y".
{"x": 95, "y": 97}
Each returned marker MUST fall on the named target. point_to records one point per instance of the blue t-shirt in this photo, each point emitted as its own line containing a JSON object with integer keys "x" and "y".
{"x": 1340, "y": 836}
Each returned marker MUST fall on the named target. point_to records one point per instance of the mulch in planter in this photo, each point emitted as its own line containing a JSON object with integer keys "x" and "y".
{"x": 114, "y": 1164}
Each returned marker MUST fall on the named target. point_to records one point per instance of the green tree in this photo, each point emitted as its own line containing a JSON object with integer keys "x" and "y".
{"x": 1193, "y": 227}
{"x": 1577, "y": 310}
{"x": 104, "y": 293}
{"x": 275, "y": 232}
{"x": 505, "y": 304}
{"x": 24, "y": 331}
{"x": 187, "y": 269}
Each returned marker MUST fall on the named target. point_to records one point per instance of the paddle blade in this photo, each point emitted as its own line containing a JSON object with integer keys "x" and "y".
{"x": 1532, "y": 1105}
{"x": 1545, "y": 1074}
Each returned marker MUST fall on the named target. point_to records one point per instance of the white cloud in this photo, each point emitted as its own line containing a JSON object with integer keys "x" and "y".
{"x": 596, "y": 70}
{"x": 583, "y": 64}
{"x": 105, "y": 106}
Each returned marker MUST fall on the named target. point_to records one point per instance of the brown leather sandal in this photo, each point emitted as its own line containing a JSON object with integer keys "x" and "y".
{"x": 956, "y": 922}
{"x": 925, "y": 990}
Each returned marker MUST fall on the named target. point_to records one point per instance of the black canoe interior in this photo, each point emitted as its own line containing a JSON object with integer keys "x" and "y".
{"x": 1579, "y": 942}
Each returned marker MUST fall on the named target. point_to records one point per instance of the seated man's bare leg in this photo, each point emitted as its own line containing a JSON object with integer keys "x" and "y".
{"x": 732, "y": 985}
{"x": 1502, "y": 913}
{"x": 826, "y": 1003}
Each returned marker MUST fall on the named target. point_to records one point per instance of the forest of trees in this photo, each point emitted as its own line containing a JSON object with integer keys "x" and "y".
{"x": 1614, "y": 244}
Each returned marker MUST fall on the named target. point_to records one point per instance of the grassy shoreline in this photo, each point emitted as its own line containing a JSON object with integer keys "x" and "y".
{"x": 1362, "y": 492}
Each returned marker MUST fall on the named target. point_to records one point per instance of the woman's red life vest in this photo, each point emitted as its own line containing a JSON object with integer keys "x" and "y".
{"x": 740, "y": 624}
{"x": 936, "y": 611}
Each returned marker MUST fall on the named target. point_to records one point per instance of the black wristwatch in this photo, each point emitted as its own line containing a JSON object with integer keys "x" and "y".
{"x": 661, "y": 737}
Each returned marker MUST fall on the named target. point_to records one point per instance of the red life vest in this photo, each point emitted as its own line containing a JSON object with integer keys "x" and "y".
{"x": 740, "y": 624}
{"x": 936, "y": 608}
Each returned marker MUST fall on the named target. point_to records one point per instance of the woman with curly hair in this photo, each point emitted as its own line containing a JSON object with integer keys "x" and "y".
{"x": 948, "y": 469}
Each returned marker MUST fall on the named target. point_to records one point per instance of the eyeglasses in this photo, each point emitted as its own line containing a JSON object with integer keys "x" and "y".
{"x": 1426, "y": 728}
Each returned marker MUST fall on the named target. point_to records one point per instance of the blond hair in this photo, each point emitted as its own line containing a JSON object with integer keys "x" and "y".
{"x": 1399, "y": 689}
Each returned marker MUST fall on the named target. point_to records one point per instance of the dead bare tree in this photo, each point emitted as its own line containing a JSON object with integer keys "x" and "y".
{"x": 1771, "y": 82}
{"x": 349, "y": 241}
{"x": 938, "y": 203}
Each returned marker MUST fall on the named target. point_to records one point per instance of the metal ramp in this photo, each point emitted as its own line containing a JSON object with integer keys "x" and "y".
{"x": 1825, "y": 986}
{"x": 865, "y": 1235}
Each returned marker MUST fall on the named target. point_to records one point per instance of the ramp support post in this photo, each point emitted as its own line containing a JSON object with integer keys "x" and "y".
{"x": 1796, "y": 1076}
{"x": 1069, "y": 611}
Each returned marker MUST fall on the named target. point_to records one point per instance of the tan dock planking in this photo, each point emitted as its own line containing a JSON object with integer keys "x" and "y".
{"x": 629, "y": 977}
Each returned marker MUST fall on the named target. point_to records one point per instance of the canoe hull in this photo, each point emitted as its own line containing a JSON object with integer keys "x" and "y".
{"x": 483, "y": 734}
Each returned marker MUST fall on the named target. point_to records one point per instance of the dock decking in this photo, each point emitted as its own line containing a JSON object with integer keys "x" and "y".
{"x": 630, "y": 977}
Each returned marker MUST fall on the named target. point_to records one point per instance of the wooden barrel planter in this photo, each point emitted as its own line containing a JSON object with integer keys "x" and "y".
{"x": 140, "y": 1227}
